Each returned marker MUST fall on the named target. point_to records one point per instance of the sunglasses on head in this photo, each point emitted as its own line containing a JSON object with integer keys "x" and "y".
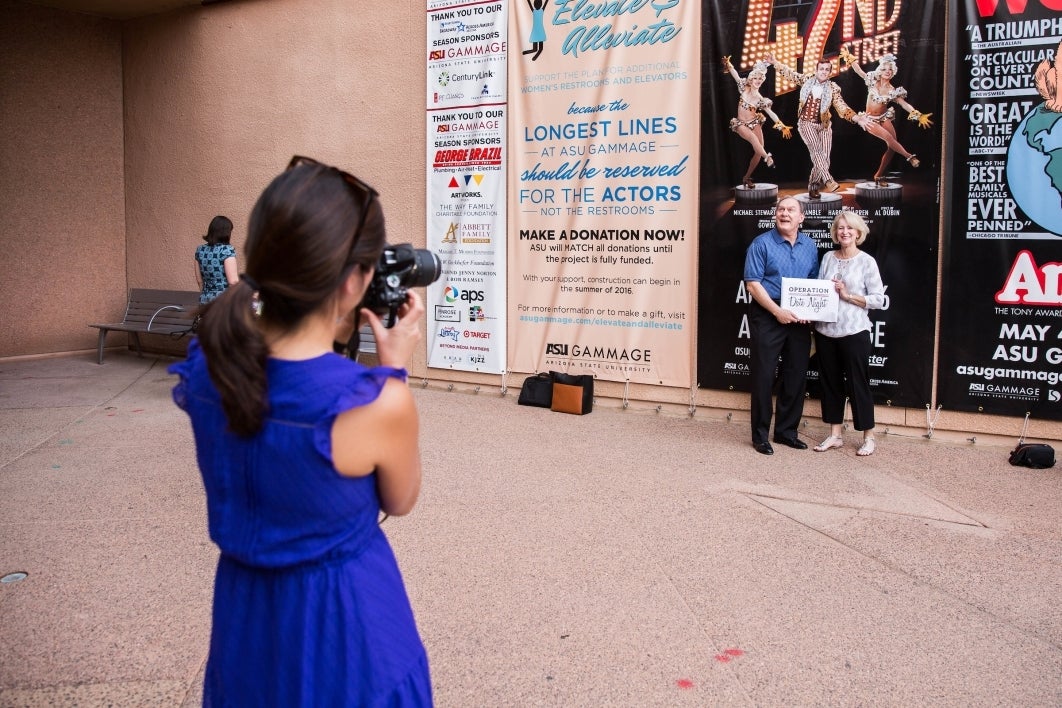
{"x": 363, "y": 192}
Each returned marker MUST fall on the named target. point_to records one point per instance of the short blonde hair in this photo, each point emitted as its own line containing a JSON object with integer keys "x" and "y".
{"x": 855, "y": 221}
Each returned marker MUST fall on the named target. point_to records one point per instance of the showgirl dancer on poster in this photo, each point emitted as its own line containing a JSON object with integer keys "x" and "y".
{"x": 749, "y": 121}
{"x": 878, "y": 117}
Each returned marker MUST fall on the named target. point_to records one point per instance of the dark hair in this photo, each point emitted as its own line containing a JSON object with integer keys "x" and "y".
{"x": 219, "y": 231}
{"x": 299, "y": 249}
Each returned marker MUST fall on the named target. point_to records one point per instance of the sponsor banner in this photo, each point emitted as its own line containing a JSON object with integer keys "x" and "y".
{"x": 1001, "y": 317}
{"x": 603, "y": 177}
{"x": 466, "y": 158}
{"x": 901, "y": 206}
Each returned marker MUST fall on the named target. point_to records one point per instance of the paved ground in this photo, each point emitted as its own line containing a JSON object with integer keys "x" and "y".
{"x": 625, "y": 558}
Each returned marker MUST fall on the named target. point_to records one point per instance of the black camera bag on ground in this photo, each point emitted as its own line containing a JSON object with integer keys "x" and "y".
{"x": 537, "y": 391}
{"x": 1038, "y": 456}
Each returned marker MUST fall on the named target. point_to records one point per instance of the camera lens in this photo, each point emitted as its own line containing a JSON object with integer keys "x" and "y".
{"x": 425, "y": 270}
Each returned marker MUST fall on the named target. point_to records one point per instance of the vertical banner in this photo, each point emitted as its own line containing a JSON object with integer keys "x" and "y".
{"x": 604, "y": 131}
{"x": 466, "y": 143}
{"x": 1001, "y": 323}
{"x": 893, "y": 184}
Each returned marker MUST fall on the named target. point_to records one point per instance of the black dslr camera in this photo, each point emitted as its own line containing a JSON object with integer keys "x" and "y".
{"x": 400, "y": 268}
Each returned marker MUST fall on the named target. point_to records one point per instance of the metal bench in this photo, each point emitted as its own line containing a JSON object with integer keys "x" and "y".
{"x": 166, "y": 312}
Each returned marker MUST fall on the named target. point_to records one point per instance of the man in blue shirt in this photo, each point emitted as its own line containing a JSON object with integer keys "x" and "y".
{"x": 784, "y": 251}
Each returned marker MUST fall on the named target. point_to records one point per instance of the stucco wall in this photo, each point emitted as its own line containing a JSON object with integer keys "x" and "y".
{"x": 62, "y": 216}
{"x": 219, "y": 98}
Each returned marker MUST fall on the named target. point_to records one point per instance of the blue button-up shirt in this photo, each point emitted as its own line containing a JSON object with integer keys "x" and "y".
{"x": 770, "y": 258}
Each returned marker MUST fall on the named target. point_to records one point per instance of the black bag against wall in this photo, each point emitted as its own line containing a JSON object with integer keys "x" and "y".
{"x": 572, "y": 394}
{"x": 536, "y": 391}
{"x": 1035, "y": 455}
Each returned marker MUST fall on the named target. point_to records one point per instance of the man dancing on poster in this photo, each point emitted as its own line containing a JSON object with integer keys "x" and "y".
{"x": 818, "y": 95}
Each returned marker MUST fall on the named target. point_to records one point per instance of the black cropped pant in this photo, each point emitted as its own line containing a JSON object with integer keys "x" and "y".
{"x": 844, "y": 369}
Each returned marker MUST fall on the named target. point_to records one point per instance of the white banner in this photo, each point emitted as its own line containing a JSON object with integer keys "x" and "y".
{"x": 466, "y": 156}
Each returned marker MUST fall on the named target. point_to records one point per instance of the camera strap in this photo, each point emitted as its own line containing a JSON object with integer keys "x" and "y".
{"x": 350, "y": 349}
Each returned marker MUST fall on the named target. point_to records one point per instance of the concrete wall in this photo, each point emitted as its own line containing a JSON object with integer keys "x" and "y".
{"x": 216, "y": 100}
{"x": 62, "y": 214}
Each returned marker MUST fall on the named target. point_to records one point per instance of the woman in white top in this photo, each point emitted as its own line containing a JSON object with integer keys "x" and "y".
{"x": 844, "y": 346}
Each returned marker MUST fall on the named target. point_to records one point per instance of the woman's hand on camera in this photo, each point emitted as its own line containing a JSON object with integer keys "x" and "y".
{"x": 395, "y": 345}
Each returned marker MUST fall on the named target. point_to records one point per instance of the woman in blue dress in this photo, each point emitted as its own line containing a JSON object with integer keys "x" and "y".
{"x": 300, "y": 451}
{"x": 216, "y": 260}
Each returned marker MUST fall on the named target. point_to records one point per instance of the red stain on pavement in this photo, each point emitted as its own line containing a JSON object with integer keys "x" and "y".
{"x": 728, "y": 654}
{"x": 684, "y": 684}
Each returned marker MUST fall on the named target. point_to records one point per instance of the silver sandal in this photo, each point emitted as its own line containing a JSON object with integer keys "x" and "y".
{"x": 828, "y": 444}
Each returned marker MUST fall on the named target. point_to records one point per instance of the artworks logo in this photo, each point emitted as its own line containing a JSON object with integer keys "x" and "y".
{"x": 556, "y": 350}
{"x": 476, "y": 314}
{"x": 467, "y": 181}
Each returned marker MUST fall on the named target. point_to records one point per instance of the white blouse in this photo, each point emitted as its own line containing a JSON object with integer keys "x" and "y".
{"x": 861, "y": 277}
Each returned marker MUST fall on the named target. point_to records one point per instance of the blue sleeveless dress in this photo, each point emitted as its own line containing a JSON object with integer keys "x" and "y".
{"x": 309, "y": 604}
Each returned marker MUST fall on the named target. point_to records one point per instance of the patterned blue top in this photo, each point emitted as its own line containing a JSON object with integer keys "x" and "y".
{"x": 211, "y": 261}
{"x": 770, "y": 258}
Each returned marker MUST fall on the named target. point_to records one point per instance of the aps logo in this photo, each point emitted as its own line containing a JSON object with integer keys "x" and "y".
{"x": 452, "y": 294}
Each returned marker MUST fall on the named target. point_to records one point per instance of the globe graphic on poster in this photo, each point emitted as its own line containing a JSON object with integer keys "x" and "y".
{"x": 1034, "y": 167}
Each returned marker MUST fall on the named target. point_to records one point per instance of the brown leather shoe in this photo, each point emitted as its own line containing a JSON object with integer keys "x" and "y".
{"x": 813, "y": 193}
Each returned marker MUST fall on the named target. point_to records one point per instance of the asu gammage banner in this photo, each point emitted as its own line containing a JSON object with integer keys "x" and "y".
{"x": 1001, "y": 320}
{"x": 466, "y": 155}
{"x": 603, "y": 183}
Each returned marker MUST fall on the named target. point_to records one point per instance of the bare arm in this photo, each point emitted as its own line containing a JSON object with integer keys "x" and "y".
{"x": 848, "y": 58}
{"x": 382, "y": 437}
{"x": 198, "y": 276}
{"x": 231, "y": 272}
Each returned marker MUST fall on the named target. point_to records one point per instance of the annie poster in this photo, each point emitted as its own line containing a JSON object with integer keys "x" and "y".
{"x": 757, "y": 57}
{"x": 1001, "y": 324}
